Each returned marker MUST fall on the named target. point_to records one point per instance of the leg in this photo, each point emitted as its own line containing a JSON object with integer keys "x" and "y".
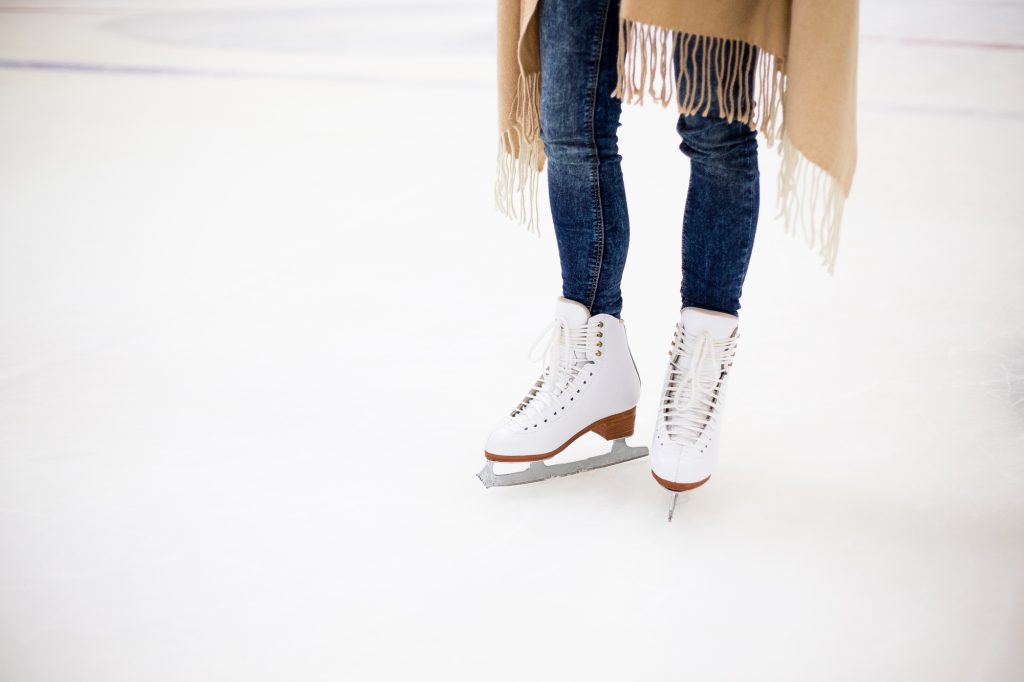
{"x": 718, "y": 235}
{"x": 579, "y": 122}
{"x": 721, "y": 203}
{"x": 589, "y": 382}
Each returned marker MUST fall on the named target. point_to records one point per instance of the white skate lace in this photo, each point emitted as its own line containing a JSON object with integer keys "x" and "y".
{"x": 697, "y": 366}
{"x": 564, "y": 352}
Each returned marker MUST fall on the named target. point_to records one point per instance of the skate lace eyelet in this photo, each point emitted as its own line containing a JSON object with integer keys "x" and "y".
{"x": 600, "y": 324}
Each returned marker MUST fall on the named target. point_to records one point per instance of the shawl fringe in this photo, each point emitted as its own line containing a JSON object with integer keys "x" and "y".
{"x": 520, "y": 156}
{"x": 810, "y": 200}
{"x": 645, "y": 65}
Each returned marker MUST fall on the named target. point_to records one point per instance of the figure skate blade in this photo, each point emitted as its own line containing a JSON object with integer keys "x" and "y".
{"x": 539, "y": 471}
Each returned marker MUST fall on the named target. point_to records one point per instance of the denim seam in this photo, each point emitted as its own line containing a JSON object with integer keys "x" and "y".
{"x": 596, "y": 170}
{"x": 752, "y": 210}
{"x": 682, "y": 247}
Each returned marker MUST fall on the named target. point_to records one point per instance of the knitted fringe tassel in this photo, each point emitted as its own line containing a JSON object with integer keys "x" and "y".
{"x": 645, "y": 67}
{"x": 515, "y": 190}
{"x": 519, "y": 157}
{"x": 809, "y": 200}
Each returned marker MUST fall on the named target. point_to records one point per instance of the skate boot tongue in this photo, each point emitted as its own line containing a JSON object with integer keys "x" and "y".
{"x": 699, "y": 320}
{"x": 559, "y": 350}
{"x": 696, "y": 370}
{"x": 572, "y": 312}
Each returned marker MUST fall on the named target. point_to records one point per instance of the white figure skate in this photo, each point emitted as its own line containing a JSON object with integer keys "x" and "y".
{"x": 589, "y": 383}
{"x": 684, "y": 451}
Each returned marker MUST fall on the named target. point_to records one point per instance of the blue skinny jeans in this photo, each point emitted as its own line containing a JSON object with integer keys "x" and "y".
{"x": 579, "y": 123}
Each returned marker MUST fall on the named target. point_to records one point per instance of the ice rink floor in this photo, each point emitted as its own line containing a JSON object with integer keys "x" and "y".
{"x": 257, "y": 315}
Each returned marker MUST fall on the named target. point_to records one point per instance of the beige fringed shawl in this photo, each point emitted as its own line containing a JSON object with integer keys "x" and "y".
{"x": 804, "y": 98}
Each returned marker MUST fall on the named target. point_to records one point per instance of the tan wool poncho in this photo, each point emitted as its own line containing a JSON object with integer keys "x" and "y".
{"x": 804, "y": 93}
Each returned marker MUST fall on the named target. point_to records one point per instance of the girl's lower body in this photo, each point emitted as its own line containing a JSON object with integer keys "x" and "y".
{"x": 590, "y": 380}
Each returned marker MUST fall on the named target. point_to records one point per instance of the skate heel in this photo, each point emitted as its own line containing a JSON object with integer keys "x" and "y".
{"x": 616, "y": 426}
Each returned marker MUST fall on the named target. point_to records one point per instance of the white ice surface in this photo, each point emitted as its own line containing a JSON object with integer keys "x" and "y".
{"x": 257, "y": 314}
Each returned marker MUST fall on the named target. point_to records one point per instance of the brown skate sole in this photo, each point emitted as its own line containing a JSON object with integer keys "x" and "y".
{"x": 678, "y": 487}
{"x": 616, "y": 426}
